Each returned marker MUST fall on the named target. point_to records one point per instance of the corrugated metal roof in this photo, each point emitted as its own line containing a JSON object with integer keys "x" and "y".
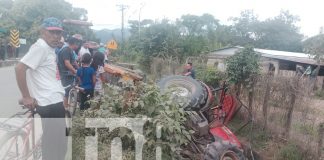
{"x": 283, "y": 55}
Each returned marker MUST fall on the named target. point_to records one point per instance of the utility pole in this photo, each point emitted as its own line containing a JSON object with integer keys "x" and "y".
{"x": 139, "y": 21}
{"x": 122, "y": 8}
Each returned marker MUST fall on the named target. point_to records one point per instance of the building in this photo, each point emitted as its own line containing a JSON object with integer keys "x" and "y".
{"x": 280, "y": 62}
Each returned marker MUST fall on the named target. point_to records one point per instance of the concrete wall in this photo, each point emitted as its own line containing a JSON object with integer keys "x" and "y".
{"x": 217, "y": 63}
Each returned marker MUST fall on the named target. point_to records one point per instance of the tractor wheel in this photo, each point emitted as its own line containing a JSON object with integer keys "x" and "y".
{"x": 223, "y": 150}
{"x": 187, "y": 87}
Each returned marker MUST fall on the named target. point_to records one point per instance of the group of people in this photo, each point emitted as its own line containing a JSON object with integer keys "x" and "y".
{"x": 46, "y": 74}
{"x": 84, "y": 68}
{"x": 48, "y": 71}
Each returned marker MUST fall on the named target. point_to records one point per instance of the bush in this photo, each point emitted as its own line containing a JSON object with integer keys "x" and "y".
{"x": 209, "y": 75}
{"x": 140, "y": 101}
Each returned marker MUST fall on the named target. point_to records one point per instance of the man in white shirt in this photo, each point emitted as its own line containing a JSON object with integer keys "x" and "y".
{"x": 84, "y": 50}
{"x": 39, "y": 82}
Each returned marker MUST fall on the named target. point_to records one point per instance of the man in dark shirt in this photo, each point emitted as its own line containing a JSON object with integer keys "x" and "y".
{"x": 67, "y": 64}
{"x": 190, "y": 71}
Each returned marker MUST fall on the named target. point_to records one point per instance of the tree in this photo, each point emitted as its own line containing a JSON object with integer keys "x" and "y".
{"x": 198, "y": 33}
{"x": 27, "y": 15}
{"x": 315, "y": 47}
{"x": 244, "y": 28}
{"x": 158, "y": 39}
{"x": 278, "y": 33}
{"x": 242, "y": 66}
{"x": 6, "y": 20}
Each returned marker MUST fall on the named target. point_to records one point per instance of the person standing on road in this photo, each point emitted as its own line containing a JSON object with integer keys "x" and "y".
{"x": 68, "y": 66}
{"x": 39, "y": 83}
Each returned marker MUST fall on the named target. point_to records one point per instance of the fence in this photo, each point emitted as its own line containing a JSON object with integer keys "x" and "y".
{"x": 283, "y": 106}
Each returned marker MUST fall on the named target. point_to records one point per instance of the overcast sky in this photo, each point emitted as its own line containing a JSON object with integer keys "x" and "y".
{"x": 106, "y": 13}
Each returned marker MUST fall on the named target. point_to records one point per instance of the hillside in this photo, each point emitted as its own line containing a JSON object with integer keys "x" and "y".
{"x": 106, "y": 35}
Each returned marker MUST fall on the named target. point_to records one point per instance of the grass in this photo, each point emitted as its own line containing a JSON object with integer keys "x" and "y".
{"x": 260, "y": 138}
{"x": 307, "y": 129}
{"x": 319, "y": 94}
{"x": 290, "y": 151}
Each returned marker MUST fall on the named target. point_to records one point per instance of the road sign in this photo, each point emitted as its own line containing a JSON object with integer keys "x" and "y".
{"x": 14, "y": 38}
{"x": 112, "y": 44}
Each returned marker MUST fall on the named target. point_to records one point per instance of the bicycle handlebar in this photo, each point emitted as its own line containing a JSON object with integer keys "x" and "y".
{"x": 74, "y": 86}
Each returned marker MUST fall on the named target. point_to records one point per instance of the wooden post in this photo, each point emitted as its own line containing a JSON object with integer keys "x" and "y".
{"x": 291, "y": 106}
{"x": 251, "y": 93}
{"x": 265, "y": 101}
{"x": 320, "y": 140}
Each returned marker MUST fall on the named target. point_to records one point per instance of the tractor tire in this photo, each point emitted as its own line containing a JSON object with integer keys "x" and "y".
{"x": 223, "y": 150}
{"x": 197, "y": 91}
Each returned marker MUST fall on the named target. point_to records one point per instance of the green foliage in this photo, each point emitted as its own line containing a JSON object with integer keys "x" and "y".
{"x": 320, "y": 94}
{"x": 278, "y": 33}
{"x": 306, "y": 129}
{"x": 209, "y": 75}
{"x": 140, "y": 101}
{"x": 27, "y": 15}
{"x": 242, "y": 66}
{"x": 315, "y": 47}
{"x": 188, "y": 36}
{"x": 290, "y": 152}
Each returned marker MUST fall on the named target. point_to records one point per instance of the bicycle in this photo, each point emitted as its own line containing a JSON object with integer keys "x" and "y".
{"x": 73, "y": 99}
{"x": 16, "y": 144}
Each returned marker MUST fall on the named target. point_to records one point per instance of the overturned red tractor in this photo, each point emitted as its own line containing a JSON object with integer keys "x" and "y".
{"x": 212, "y": 140}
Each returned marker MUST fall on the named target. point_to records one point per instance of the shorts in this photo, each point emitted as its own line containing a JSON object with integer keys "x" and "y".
{"x": 67, "y": 91}
{"x": 66, "y": 81}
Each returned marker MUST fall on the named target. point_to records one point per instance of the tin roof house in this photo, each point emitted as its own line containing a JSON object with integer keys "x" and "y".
{"x": 280, "y": 62}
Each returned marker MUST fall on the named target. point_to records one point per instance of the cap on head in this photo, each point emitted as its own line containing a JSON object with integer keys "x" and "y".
{"x": 52, "y": 24}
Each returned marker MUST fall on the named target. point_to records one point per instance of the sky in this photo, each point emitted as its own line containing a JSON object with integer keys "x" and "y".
{"x": 107, "y": 14}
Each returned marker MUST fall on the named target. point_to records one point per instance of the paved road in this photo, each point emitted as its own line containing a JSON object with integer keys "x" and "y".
{"x": 9, "y": 92}
{"x": 9, "y": 95}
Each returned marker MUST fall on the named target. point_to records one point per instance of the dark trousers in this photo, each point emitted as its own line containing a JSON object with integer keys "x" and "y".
{"x": 54, "y": 139}
{"x": 85, "y": 95}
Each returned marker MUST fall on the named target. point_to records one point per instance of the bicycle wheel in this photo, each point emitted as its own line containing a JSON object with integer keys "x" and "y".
{"x": 72, "y": 101}
{"x": 68, "y": 122}
{"x": 14, "y": 145}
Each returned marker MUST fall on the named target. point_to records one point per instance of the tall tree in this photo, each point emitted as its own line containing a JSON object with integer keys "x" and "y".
{"x": 315, "y": 46}
{"x": 244, "y": 28}
{"x": 27, "y": 15}
{"x": 279, "y": 33}
{"x": 6, "y": 20}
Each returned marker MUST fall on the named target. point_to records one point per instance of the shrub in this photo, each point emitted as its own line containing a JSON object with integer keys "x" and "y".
{"x": 140, "y": 101}
{"x": 209, "y": 75}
